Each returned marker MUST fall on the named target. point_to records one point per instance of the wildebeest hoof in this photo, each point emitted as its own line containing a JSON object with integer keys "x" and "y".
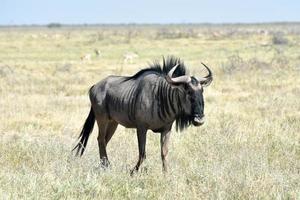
{"x": 104, "y": 164}
{"x": 133, "y": 172}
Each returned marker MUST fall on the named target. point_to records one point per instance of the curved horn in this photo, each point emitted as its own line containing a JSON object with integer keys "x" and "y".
{"x": 205, "y": 81}
{"x": 180, "y": 79}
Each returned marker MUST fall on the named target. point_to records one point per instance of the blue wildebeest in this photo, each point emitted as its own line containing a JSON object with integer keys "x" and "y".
{"x": 152, "y": 99}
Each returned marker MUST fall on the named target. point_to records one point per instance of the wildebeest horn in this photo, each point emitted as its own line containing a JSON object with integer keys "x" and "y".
{"x": 205, "y": 81}
{"x": 179, "y": 79}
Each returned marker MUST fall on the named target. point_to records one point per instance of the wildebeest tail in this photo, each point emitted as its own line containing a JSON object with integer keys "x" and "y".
{"x": 85, "y": 133}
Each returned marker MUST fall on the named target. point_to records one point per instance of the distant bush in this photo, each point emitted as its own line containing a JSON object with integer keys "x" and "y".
{"x": 236, "y": 64}
{"x": 233, "y": 64}
{"x": 165, "y": 33}
{"x": 54, "y": 25}
{"x": 279, "y": 39}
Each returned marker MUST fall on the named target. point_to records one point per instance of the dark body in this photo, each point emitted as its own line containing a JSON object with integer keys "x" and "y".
{"x": 152, "y": 99}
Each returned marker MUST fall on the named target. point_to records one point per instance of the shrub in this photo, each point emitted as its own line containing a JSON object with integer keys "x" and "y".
{"x": 279, "y": 39}
{"x": 54, "y": 25}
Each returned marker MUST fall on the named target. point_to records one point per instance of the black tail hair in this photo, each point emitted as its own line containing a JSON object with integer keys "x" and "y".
{"x": 85, "y": 133}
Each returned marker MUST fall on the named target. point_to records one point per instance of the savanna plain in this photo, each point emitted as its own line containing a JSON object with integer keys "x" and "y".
{"x": 248, "y": 148}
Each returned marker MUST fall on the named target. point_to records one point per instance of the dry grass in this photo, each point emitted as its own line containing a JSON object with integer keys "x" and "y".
{"x": 248, "y": 149}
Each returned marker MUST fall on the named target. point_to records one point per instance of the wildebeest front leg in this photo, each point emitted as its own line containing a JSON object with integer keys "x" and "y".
{"x": 141, "y": 135}
{"x": 164, "y": 141}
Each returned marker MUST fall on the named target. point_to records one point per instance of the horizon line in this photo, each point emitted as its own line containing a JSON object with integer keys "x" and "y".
{"x": 146, "y": 24}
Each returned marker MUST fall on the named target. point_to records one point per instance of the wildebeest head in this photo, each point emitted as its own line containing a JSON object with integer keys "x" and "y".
{"x": 193, "y": 111}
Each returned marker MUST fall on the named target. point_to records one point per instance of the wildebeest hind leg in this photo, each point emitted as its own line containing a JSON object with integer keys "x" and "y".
{"x": 110, "y": 130}
{"x": 102, "y": 126}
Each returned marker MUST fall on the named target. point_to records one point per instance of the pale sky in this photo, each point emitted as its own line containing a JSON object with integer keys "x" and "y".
{"x": 17, "y": 12}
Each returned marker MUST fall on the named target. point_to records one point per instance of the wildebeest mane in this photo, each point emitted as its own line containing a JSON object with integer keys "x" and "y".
{"x": 168, "y": 64}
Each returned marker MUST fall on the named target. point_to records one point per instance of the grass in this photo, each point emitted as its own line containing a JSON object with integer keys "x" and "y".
{"x": 247, "y": 149}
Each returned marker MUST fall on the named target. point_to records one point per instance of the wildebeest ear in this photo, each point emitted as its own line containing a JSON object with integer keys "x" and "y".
{"x": 207, "y": 82}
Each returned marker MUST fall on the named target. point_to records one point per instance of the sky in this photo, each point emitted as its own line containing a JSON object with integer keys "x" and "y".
{"x": 19, "y": 12}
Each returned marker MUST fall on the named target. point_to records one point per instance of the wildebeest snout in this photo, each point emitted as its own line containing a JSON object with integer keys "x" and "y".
{"x": 198, "y": 120}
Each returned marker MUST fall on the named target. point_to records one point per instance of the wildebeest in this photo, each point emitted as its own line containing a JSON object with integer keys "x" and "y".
{"x": 152, "y": 99}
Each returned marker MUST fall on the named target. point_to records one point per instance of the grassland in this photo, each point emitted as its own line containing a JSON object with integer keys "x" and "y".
{"x": 249, "y": 147}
